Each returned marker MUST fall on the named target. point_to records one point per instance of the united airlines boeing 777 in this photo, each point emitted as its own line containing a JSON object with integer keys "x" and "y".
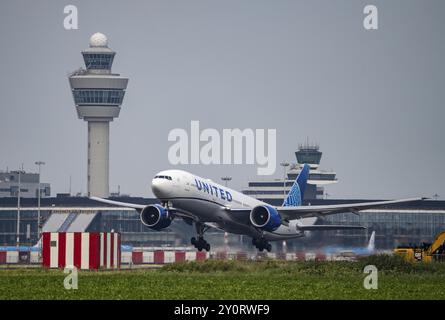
{"x": 207, "y": 204}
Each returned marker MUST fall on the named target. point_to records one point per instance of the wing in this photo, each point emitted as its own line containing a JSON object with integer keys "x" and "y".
{"x": 120, "y": 204}
{"x": 291, "y": 213}
{"x": 139, "y": 207}
{"x": 328, "y": 227}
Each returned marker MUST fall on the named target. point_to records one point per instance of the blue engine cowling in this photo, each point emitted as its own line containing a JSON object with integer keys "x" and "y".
{"x": 155, "y": 216}
{"x": 265, "y": 218}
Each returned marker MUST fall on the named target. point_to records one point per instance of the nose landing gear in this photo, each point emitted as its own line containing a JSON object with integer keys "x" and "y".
{"x": 262, "y": 244}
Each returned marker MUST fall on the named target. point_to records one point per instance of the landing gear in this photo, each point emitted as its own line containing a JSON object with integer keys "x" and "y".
{"x": 262, "y": 244}
{"x": 200, "y": 243}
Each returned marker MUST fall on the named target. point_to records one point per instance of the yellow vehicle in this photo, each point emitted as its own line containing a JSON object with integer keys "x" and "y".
{"x": 426, "y": 252}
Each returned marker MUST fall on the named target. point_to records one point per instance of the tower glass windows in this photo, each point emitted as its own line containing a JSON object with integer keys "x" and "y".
{"x": 311, "y": 156}
{"x": 98, "y": 96}
{"x": 98, "y": 60}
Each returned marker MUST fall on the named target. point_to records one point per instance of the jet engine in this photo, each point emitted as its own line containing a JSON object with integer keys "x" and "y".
{"x": 265, "y": 217}
{"x": 155, "y": 217}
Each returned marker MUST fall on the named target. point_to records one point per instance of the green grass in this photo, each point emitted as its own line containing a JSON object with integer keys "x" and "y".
{"x": 235, "y": 280}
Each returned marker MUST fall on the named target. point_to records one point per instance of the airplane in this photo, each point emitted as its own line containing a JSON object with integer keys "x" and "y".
{"x": 207, "y": 204}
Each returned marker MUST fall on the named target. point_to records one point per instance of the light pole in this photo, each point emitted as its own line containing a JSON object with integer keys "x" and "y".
{"x": 18, "y": 212}
{"x": 226, "y": 180}
{"x": 38, "y": 163}
{"x": 284, "y": 165}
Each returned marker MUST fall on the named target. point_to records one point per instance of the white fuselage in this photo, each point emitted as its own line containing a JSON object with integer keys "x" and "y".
{"x": 206, "y": 201}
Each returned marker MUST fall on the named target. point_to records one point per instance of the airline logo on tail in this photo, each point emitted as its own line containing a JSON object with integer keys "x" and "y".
{"x": 295, "y": 196}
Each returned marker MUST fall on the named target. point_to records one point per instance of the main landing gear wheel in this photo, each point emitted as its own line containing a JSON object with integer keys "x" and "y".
{"x": 200, "y": 244}
{"x": 262, "y": 244}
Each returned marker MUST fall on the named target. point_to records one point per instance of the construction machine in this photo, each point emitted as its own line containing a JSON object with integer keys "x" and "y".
{"x": 426, "y": 252}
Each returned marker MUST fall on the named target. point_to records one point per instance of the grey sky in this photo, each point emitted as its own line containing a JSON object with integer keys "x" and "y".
{"x": 373, "y": 100}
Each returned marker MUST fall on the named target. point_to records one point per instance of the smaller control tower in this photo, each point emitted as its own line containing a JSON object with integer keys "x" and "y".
{"x": 309, "y": 154}
{"x": 272, "y": 191}
{"x": 98, "y": 95}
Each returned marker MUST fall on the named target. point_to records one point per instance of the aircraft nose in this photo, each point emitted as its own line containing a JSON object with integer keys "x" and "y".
{"x": 159, "y": 188}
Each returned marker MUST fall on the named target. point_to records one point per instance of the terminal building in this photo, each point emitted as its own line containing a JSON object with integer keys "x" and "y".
{"x": 273, "y": 191}
{"x": 10, "y": 181}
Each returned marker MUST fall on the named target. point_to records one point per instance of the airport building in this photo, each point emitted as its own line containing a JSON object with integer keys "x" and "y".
{"x": 10, "y": 181}
{"x": 273, "y": 191}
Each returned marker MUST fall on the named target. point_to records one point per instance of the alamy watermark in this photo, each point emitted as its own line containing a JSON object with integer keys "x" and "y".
{"x": 371, "y": 21}
{"x": 71, "y": 19}
{"x": 372, "y": 278}
{"x": 71, "y": 280}
{"x": 208, "y": 147}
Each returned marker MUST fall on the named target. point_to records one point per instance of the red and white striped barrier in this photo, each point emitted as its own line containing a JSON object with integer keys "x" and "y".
{"x": 19, "y": 257}
{"x": 83, "y": 250}
{"x": 8, "y": 257}
{"x": 34, "y": 257}
{"x": 162, "y": 256}
{"x": 171, "y": 256}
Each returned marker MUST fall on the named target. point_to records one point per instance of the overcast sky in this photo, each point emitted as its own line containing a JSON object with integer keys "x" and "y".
{"x": 372, "y": 100}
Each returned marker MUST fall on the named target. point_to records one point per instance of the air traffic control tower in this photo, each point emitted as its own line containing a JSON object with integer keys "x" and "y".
{"x": 98, "y": 95}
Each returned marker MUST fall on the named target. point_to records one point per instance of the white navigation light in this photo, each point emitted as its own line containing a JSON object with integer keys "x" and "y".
{"x": 98, "y": 40}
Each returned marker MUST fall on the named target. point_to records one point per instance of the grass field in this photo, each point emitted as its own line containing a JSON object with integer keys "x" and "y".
{"x": 235, "y": 280}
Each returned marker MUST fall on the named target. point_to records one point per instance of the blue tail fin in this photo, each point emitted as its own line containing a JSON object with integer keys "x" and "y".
{"x": 295, "y": 196}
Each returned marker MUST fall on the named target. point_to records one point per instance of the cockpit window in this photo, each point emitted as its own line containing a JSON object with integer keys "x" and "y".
{"x": 163, "y": 177}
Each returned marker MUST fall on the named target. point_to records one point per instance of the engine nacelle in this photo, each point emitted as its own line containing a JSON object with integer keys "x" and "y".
{"x": 155, "y": 216}
{"x": 265, "y": 218}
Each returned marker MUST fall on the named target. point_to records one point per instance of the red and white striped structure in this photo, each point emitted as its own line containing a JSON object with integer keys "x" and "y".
{"x": 162, "y": 256}
{"x": 171, "y": 256}
{"x": 83, "y": 250}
